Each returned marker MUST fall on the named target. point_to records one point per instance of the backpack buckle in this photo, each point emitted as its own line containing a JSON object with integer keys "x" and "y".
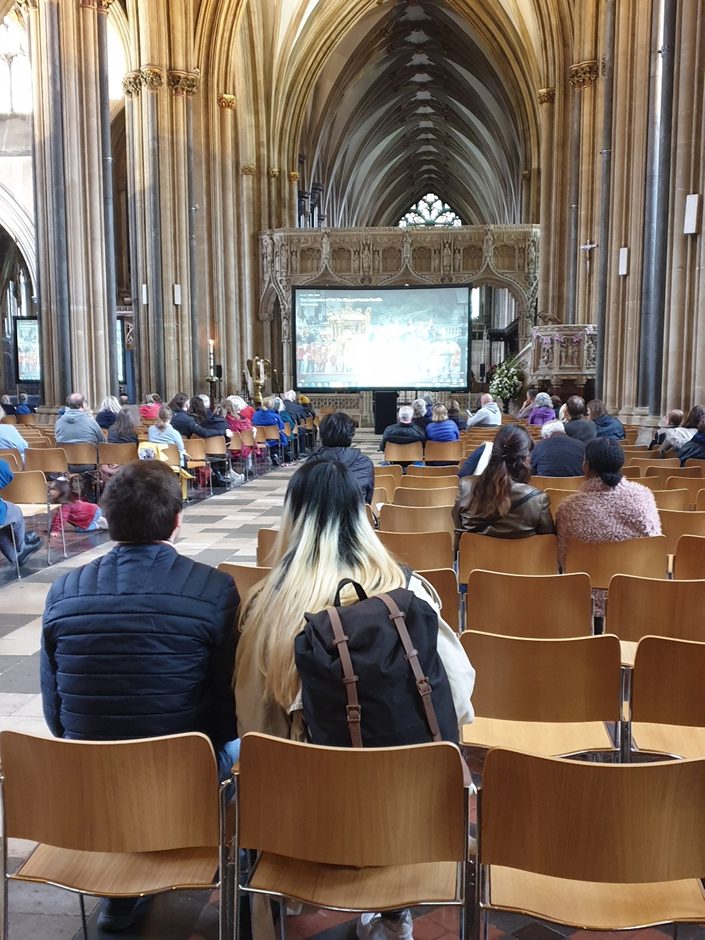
{"x": 353, "y": 713}
{"x": 424, "y": 686}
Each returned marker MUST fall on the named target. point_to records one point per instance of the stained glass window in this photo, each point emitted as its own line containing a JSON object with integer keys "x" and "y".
{"x": 431, "y": 210}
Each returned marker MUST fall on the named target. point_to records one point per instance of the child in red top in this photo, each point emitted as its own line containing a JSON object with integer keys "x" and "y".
{"x": 83, "y": 516}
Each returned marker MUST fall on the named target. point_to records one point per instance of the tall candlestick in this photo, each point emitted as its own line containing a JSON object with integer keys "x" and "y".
{"x": 211, "y": 356}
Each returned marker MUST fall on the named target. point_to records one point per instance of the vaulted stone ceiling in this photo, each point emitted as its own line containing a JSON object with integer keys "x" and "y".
{"x": 414, "y": 101}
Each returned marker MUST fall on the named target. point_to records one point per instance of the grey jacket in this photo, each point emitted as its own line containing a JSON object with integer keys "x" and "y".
{"x": 77, "y": 427}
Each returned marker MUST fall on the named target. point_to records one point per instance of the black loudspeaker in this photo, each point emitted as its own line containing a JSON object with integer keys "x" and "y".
{"x": 218, "y": 372}
{"x": 482, "y": 371}
{"x": 385, "y": 405}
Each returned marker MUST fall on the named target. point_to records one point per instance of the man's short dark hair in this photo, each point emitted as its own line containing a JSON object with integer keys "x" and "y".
{"x": 337, "y": 430}
{"x": 141, "y": 502}
{"x": 575, "y": 406}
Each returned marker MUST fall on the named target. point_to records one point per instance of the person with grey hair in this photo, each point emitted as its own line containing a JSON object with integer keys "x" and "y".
{"x": 487, "y": 415}
{"x": 296, "y": 413}
{"x": 557, "y": 455}
{"x": 543, "y": 410}
{"x": 421, "y": 417}
{"x": 404, "y": 431}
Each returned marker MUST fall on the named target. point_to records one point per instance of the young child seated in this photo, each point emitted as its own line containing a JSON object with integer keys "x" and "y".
{"x": 83, "y": 516}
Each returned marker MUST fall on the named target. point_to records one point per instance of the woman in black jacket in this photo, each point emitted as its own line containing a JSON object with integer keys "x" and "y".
{"x": 337, "y": 430}
{"x": 185, "y": 423}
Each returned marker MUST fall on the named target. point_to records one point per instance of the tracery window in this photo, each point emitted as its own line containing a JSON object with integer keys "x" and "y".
{"x": 15, "y": 70}
{"x": 431, "y": 210}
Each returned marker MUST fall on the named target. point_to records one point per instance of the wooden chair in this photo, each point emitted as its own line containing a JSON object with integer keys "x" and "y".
{"x": 700, "y": 500}
{"x": 632, "y": 473}
{"x": 197, "y": 457}
{"x": 380, "y": 495}
{"x": 638, "y": 607}
{"x": 633, "y": 448}
{"x": 537, "y": 554}
{"x": 29, "y": 419}
{"x": 85, "y": 455}
{"x": 696, "y": 462}
{"x": 403, "y": 453}
{"x": 675, "y": 523}
{"x": 557, "y": 483}
{"x": 389, "y": 829}
{"x": 245, "y": 576}
{"x": 388, "y": 482}
{"x": 118, "y": 454}
{"x": 446, "y": 451}
{"x": 663, "y": 474}
{"x": 645, "y": 557}
{"x": 415, "y": 482}
{"x": 667, "y": 705}
{"x": 216, "y": 450}
{"x": 391, "y": 470}
{"x": 48, "y": 460}
{"x": 427, "y": 471}
{"x": 591, "y": 845}
{"x": 657, "y": 462}
{"x": 672, "y": 499}
{"x": 13, "y": 458}
{"x": 552, "y": 606}
{"x": 545, "y": 696}
{"x": 420, "y": 550}
{"x": 28, "y": 490}
{"x": 260, "y": 450}
{"x": 120, "y": 819}
{"x": 445, "y": 582}
{"x": 265, "y": 544}
{"x": 8, "y": 419}
{"x": 556, "y": 497}
{"x": 423, "y": 496}
{"x": 652, "y": 482}
{"x": 693, "y": 485}
{"x": 416, "y": 519}
{"x": 689, "y": 560}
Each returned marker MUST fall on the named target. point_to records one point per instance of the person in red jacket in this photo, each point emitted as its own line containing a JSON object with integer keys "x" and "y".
{"x": 83, "y": 516}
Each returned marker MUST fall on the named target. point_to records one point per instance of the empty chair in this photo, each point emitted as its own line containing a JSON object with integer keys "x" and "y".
{"x": 556, "y": 497}
{"x": 13, "y": 458}
{"x": 406, "y": 496}
{"x": 591, "y": 845}
{"x": 631, "y": 473}
{"x": 427, "y": 471}
{"x": 646, "y": 557}
{"x": 537, "y": 554}
{"x": 692, "y": 484}
{"x": 689, "y": 560}
{"x": 420, "y": 550}
{"x": 245, "y": 576}
{"x": 380, "y": 494}
{"x": 549, "y": 606}
{"x": 672, "y": 499}
{"x": 403, "y": 453}
{"x": 48, "y": 460}
{"x": 428, "y": 482}
{"x": 446, "y": 451}
{"x": 445, "y": 582}
{"x": 392, "y": 470}
{"x": 119, "y": 454}
{"x": 84, "y": 455}
{"x": 675, "y": 523}
{"x": 120, "y": 819}
{"x": 663, "y": 474}
{"x": 557, "y": 483}
{"x": 700, "y": 500}
{"x": 26, "y": 419}
{"x": 389, "y": 829}
{"x": 646, "y": 462}
{"x": 389, "y": 483}
{"x": 416, "y": 519}
{"x": 544, "y": 696}
{"x": 667, "y": 706}
{"x": 265, "y": 544}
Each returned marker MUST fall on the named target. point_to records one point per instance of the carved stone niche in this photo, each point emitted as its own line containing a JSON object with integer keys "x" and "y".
{"x": 562, "y": 353}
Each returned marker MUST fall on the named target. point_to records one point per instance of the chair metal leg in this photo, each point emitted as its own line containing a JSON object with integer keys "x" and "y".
{"x": 84, "y": 924}
{"x": 282, "y": 919}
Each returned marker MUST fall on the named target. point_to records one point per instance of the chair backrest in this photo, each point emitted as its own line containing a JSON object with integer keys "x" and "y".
{"x": 13, "y": 458}
{"x": 689, "y": 562}
{"x": 196, "y": 448}
{"x": 265, "y": 544}
{"x": 429, "y": 482}
{"x": 423, "y": 496}
{"x": 667, "y": 682}
{"x": 111, "y": 796}
{"x": 416, "y": 519}
{"x": 631, "y": 473}
{"x": 173, "y": 457}
{"x": 700, "y": 500}
{"x": 692, "y": 484}
{"x": 26, "y": 419}
{"x": 380, "y": 494}
{"x": 695, "y": 462}
{"x": 84, "y": 453}
{"x": 646, "y": 557}
{"x": 637, "y": 607}
{"x": 443, "y": 450}
{"x": 247, "y": 437}
{"x": 556, "y": 497}
{"x": 244, "y": 576}
{"x": 663, "y": 474}
{"x": 525, "y": 679}
{"x": 420, "y": 549}
{"x": 608, "y": 823}
{"x": 672, "y": 499}
{"x": 214, "y": 446}
{"x": 427, "y": 471}
{"x": 557, "y": 483}
{"x": 28, "y": 486}
{"x": 401, "y": 453}
{"x": 387, "y": 481}
{"x": 394, "y": 469}
{"x": 48, "y": 460}
{"x": 646, "y": 462}
{"x": 413, "y": 794}
{"x": 118, "y": 454}
{"x": 541, "y": 606}
{"x": 537, "y": 554}
{"x": 675, "y": 523}
{"x": 445, "y": 581}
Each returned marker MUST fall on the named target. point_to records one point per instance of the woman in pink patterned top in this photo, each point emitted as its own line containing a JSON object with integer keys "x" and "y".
{"x": 606, "y": 508}
{"x": 236, "y": 421}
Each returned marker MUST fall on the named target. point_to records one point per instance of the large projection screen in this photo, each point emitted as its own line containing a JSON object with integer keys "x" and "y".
{"x": 396, "y": 338}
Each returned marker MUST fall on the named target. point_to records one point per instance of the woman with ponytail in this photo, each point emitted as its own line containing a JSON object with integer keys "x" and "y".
{"x": 500, "y": 502}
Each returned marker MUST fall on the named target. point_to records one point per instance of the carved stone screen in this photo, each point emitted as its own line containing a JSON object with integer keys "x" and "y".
{"x": 351, "y": 338}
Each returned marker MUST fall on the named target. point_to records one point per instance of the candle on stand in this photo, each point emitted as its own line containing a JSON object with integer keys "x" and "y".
{"x": 261, "y": 371}
{"x": 211, "y": 356}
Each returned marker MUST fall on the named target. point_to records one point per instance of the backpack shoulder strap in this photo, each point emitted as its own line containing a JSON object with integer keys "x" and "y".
{"x": 349, "y": 678}
{"x": 412, "y": 656}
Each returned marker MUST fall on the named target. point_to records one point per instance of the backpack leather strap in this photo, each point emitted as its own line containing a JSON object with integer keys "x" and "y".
{"x": 412, "y": 656}
{"x": 353, "y": 709}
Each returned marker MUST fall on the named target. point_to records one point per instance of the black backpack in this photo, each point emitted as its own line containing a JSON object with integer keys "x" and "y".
{"x": 371, "y": 674}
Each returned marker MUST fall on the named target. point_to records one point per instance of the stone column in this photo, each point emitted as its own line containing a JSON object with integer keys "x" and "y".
{"x": 546, "y": 98}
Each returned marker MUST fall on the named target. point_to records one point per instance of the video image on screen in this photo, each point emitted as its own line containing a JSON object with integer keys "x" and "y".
{"x": 381, "y": 338}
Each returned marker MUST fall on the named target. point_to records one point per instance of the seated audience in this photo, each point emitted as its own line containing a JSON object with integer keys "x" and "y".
{"x": 455, "y": 414}
{"x": 149, "y": 635}
{"x": 557, "y": 455}
{"x": 672, "y": 419}
{"x": 212, "y": 422}
{"x": 500, "y": 502}
{"x": 149, "y": 409}
{"x": 298, "y": 414}
{"x": 542, "y": 411}
{"x": 476, "y": 462}
{"x": 10, "y": 437}
{"x": 267, "y": 416}
{"x": 440, "y": 427}
{"x": 675, "y": 438}
{"x": 421, "y": 418}
{"x": 605, "y": 425}
{"x": 487, "y": 415}
{"x": 528, "y": 404}
{"x": 578, "y": 424}
{"x": 162, "y": 432}
{"x": 75, "y": 425}
{"x": 7, "y": 406}
{"x": 108, "y": 412}
{"x": 557, "y": 405}
{"x": 23, "y": 406}
{"x": 404, "y": 431}
{"x": 246, "y": 411}
{"x": 73, "y": 511}
{"x": 124, "y": 430}
{"x": 185, "y": 423}
{"x": 305, "y": 403}
{"x": 607, "y": 507}
{"x": 337, "y": 431}
{"x": 694, "y": 449}
{"x": 236, "y": 423}
{"x": 26, "y": 543}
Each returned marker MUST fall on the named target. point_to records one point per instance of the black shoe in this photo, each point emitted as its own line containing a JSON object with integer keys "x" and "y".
{"x": 117, "y": 914}
{"x": 28, "y": 550}
{"x": 32, "y": 538}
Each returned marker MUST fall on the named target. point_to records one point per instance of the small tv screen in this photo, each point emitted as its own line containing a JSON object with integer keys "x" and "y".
{"x": 410, "y": 337}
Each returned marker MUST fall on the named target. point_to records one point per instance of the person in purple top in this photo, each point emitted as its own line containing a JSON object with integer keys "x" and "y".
{"x": 542, "y": 411}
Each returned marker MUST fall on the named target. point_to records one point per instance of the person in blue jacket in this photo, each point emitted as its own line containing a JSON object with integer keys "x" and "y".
{"x": 607, "y": 425}
{"x": 267, "y": 416}
{"x": 11, "y": 517}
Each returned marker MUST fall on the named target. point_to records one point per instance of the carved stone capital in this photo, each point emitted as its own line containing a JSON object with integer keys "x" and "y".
{"x": 546, "y": 95}
{"x": 248, "y": 169}
{"x": 183, "y": 83}
{"x": 104, "y": 5}
{"x": 227, "y": 102}
{"x": 273, "y": 172}
{"x": 132, "y": 84}
{"x": 152, "y": 77}
{"x": 583, "y": 73}
{"x": 26, "y": 5}
{"x": 294, "y": 176}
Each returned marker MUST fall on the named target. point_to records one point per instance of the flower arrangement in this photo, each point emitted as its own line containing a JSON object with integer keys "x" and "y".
{"x": 507, "y": 380}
